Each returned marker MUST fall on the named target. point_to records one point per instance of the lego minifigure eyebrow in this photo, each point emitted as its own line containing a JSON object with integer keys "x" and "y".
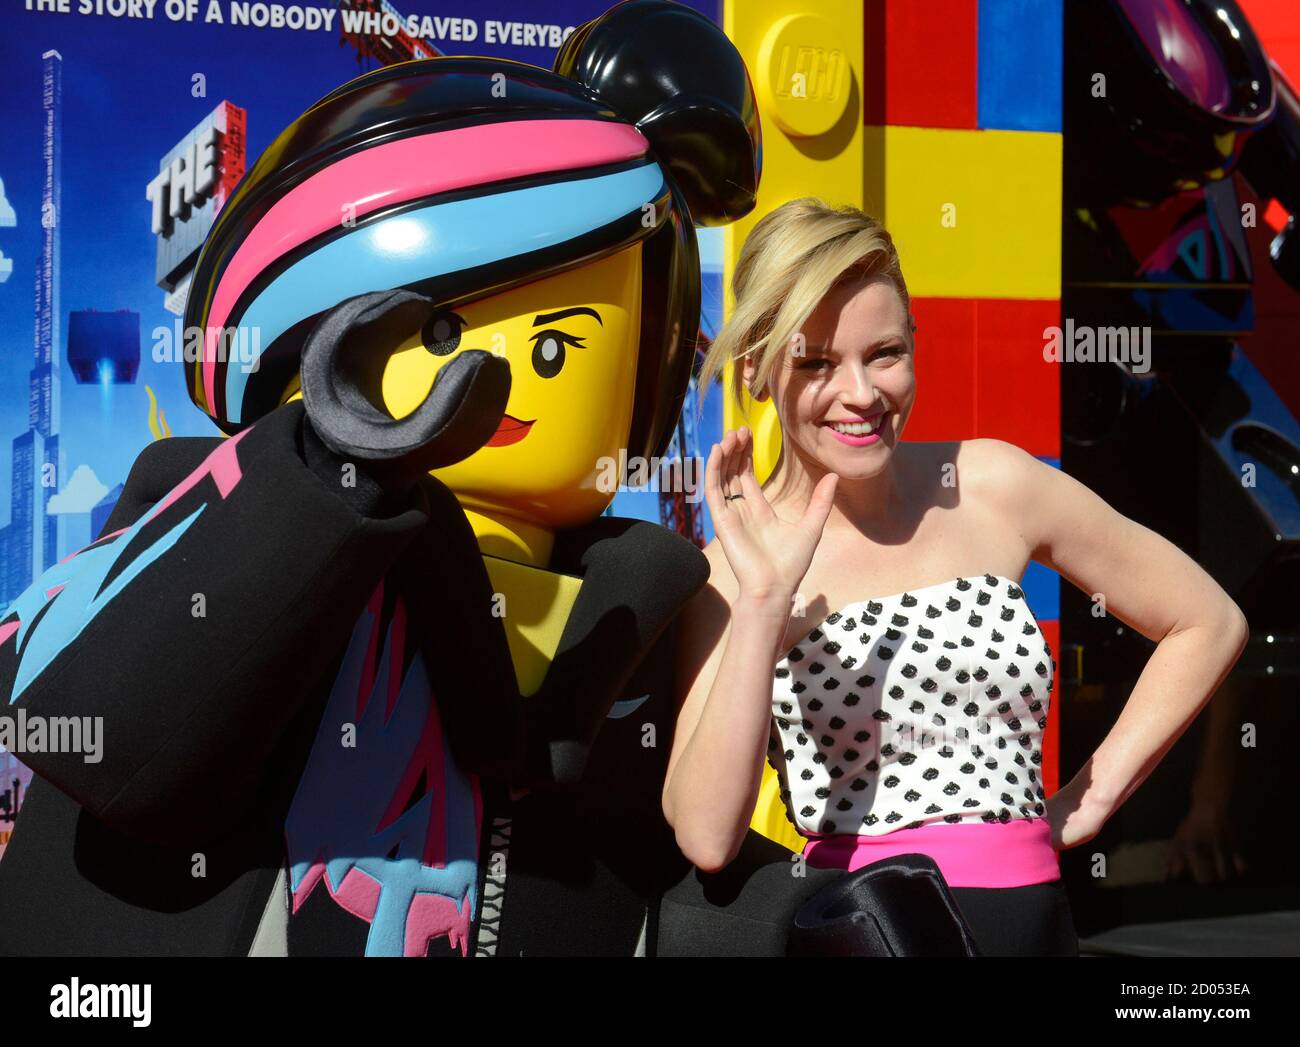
{"x": 561, "y": 314}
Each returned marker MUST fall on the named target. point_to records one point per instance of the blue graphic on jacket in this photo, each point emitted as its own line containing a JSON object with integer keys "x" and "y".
{"x": 72, "y": 593}
{"x": 382, "y": 814}
{"x": 55, "y": 609}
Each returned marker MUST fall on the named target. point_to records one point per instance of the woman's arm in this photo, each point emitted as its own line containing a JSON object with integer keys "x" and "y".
{"x": 727, "y": 649}
{"x": 730, "y": 642}
{"x": 1150, "y": 585}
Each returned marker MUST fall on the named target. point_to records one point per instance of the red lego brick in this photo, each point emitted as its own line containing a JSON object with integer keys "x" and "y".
{"x": 1017, "y": 392}
{"x": 921, "y": 63}
{"x": 945, "y": 370}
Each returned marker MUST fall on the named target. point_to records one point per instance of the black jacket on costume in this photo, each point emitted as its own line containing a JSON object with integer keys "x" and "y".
{"x": 308, "y": 719}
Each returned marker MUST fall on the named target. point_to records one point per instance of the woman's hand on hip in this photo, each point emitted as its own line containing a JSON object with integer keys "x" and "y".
{"x": 1073, "y": 817}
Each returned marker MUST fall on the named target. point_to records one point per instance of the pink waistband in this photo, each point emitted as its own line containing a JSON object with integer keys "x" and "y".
{"x": 969, "y": 854}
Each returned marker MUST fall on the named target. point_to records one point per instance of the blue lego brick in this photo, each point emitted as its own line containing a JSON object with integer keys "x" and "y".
{"x": 1020, "y": 60}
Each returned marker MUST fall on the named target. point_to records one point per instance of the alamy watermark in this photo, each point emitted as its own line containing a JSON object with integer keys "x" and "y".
{"x": 177, "y": 344}
{"x": 1130, "y": 346}
{"x": 93, "y": 1000}
{"x": 21, "y": 733}
{"x": 635, "y": 473}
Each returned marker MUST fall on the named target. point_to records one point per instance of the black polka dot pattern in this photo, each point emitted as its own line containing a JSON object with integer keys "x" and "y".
{"x": 941, "y": 720}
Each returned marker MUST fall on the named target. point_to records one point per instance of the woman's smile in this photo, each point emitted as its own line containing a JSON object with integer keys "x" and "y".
{"x": 857, "y": 432}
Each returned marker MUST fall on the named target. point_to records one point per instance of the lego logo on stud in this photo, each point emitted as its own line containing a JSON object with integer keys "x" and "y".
{"x": 804, "y": 75}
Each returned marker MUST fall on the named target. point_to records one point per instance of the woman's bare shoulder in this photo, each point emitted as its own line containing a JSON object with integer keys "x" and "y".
{"x": 984, "y": 468}
{"x": 994, "y": 479}
{"x": 1002, "y": 465}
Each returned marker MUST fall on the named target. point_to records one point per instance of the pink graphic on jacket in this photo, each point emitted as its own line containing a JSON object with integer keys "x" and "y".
{"x": 388, "y": 823}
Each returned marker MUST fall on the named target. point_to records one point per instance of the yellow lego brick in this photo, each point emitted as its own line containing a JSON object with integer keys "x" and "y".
{"x": 769, "y": 814}
{"x": 806, "y": 65}
{"x": 806, "y": 62}
{"x": 975, "y": 214}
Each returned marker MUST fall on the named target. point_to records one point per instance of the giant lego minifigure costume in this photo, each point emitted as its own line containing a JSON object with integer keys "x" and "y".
{"x": 375, "y": 675}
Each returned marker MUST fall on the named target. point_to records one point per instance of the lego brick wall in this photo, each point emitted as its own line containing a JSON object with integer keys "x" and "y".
{"x": 962, "y": 107}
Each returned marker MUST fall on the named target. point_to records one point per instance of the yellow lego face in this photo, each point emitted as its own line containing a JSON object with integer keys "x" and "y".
{"x": 571, "y": 342}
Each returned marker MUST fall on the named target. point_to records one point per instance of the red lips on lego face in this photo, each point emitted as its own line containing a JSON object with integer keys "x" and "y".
{"x": 510, "y": 431}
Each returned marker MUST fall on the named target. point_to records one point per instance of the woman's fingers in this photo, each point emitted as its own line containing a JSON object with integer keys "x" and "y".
{"x": 713, "y": 483}
{"x": 735, "y": 462}
{"x": 728, "y": 471}
{"x": 755, "y": 500}
{"x": 728, "y": 447}
{"x": 720, "y": 467}
{"x": 819, "y": 505}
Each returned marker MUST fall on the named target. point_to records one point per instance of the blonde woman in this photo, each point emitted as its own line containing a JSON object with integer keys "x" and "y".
{"x": 864, "y": 625}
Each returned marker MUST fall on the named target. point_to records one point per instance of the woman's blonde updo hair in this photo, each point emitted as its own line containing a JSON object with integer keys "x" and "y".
{"x": 791, "y": 260}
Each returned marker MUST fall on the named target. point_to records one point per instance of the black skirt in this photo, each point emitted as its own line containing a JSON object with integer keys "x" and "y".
{"x": 748, "y": 908}
{"x": 1020, "y": 921}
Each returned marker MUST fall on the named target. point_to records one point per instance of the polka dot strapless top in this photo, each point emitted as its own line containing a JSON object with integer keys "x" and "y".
{"x": 924, "y": 707}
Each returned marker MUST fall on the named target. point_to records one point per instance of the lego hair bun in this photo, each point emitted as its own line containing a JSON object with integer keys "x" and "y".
{"x": 674, "y": 74}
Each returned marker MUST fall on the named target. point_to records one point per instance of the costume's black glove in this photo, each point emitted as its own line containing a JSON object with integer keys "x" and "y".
{"x": 342, "y": 378}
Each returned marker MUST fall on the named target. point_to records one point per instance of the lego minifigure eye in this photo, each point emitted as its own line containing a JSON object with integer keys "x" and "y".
{"x": 442, "y": 332}
{"x": 548, "y": 351}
